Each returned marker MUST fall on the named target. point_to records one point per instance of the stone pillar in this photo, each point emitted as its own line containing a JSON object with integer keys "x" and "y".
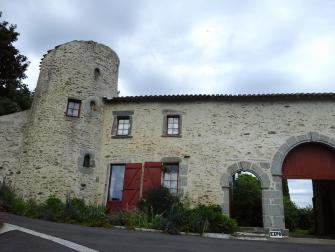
{"x": 226, "y": 201}
{"x": 273, "y": 208}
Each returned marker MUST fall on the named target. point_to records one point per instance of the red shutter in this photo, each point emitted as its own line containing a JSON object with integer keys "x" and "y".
{"x": 131, "y": 186}
{"x": 152, "y": 176}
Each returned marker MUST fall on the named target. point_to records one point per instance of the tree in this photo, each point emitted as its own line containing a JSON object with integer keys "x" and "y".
{"x": 247, "y": 201}
{"x": 14, "y": 95}
{"x": 286, "y": 190}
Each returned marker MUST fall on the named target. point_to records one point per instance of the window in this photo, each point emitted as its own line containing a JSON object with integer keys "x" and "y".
{"x": 170, "y": 177}
{"x": 172, "y": 125}
{"x": 116, "y": 182}
{"x": 93, "y": 106}
{"x": 73, "y": 108}
{"x": 123, "y": 126}
{"x": 87, "y": 160}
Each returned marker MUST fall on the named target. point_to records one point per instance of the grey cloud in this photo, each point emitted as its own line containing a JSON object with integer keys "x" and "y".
{"x": 256, "y": 39}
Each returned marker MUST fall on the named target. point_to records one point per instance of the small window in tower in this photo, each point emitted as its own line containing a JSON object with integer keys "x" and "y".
{"x": 87, "y": 160}
{"x": 73, "y": 108}
{"x": 96, "y": 73}
{"x": 93, "y": 106}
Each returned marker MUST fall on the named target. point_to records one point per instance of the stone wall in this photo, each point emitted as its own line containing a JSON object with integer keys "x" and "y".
{"x": 220, "y": 138}
{"x": 12, "y": 128}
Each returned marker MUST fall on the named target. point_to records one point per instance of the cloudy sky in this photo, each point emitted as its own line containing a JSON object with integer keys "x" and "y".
{"x": 170, "y": 47}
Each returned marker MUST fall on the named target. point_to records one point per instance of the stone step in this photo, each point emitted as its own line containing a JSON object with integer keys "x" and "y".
{"x": 251, "y": 236}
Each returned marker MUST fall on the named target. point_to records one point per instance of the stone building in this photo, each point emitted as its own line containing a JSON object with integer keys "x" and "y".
{"x": 81, "y": 139}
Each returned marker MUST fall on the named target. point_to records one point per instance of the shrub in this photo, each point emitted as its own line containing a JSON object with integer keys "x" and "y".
{"x": 75, "y": 210}
{"x": 95, "y": 216}
{"x": 53, "y": 209}
{"x": 33, "y": 210}
{"x": 158, "y": 201}
{"x": 306, "y": 218}
{"x": 131, "y": 219}
{"x": 202, "y": 219}
{"x": 10, "y": 202}
{"x": 7, "y": 198}
{"x": 291, "y": 213}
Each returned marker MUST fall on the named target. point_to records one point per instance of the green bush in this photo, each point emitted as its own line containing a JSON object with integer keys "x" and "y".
{"x": 298, "y": 218}
{"x": 33, "y": 210}
{"x": 130, "y": 219}
{"x": 10, "y": 202}
{"x": 291, "y": 214}
{"x": 53, "y": 209}
{"x": 159, "y": 201}
{"x": 202, "y": 219}
{"x": 7, "y": 198}
{"x": 306, "y": 218}
{"x": 95, "y": 216}
{"x": 167, "y": 213}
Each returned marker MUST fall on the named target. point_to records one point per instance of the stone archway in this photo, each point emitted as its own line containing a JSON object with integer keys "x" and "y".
{"x": 245, "y": 166}
{"x": 275, "y": 218}
{"x": 310, "y": 137}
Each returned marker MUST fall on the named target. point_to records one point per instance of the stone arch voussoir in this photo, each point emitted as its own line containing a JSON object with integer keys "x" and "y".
{"x": 253, "y": 168}
{"x": 293, "y": 141}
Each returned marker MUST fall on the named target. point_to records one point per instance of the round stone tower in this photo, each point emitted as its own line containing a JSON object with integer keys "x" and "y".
{"x": 61, "y": 147}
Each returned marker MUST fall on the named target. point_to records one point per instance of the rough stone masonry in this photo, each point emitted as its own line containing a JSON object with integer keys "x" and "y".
{"x": 43, "y": 149}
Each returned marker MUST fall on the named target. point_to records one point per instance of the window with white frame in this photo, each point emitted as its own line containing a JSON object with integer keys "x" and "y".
{"x": 123, "y": 126}
{"x": 173, "y": 126}
{"x": 170, "y": 177}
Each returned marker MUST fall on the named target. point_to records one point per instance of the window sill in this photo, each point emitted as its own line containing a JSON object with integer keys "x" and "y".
{"x": 118, "y": 137}
{"x": 71, "y": 118}
{"x": 178, "y": 136}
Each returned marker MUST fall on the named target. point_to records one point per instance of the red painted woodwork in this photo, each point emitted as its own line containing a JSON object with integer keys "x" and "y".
{"x": 310, "y": 161}
{"x": 152, "y": 176}
{"x": 131, "y": 186}
{"x": 114, "y": 206}
{"x": 131, "y": 189}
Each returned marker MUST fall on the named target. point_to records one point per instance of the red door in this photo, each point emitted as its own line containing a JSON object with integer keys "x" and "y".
{"x": 152, "y": 176}
{"x": 124, "y": 188}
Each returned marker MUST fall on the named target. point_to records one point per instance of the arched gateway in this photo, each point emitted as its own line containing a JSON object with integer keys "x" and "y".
{"x": 311, "y": 156}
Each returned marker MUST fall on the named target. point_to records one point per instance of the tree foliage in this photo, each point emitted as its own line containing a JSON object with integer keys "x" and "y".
{"x": 247, "y": 201}
{"x": 14, "y": 95}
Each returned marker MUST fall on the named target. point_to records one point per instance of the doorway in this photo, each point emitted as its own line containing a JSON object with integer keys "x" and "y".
{"x": 246, "y": 199}
{"x": 315, "y": 162}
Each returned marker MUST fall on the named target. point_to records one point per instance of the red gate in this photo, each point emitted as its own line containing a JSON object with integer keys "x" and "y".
{"x": 310, "y": 161}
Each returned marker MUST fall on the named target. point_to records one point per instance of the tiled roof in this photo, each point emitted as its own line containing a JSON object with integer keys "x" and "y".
{"x": 221, "y": 97}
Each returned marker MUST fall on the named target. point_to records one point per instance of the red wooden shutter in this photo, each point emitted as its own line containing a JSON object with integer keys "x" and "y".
{"x": 131, "y": 186}
{"x": 152, "y": 176}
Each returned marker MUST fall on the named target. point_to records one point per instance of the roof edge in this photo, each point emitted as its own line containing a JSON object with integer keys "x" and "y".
{"x": 220, "y": 97}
